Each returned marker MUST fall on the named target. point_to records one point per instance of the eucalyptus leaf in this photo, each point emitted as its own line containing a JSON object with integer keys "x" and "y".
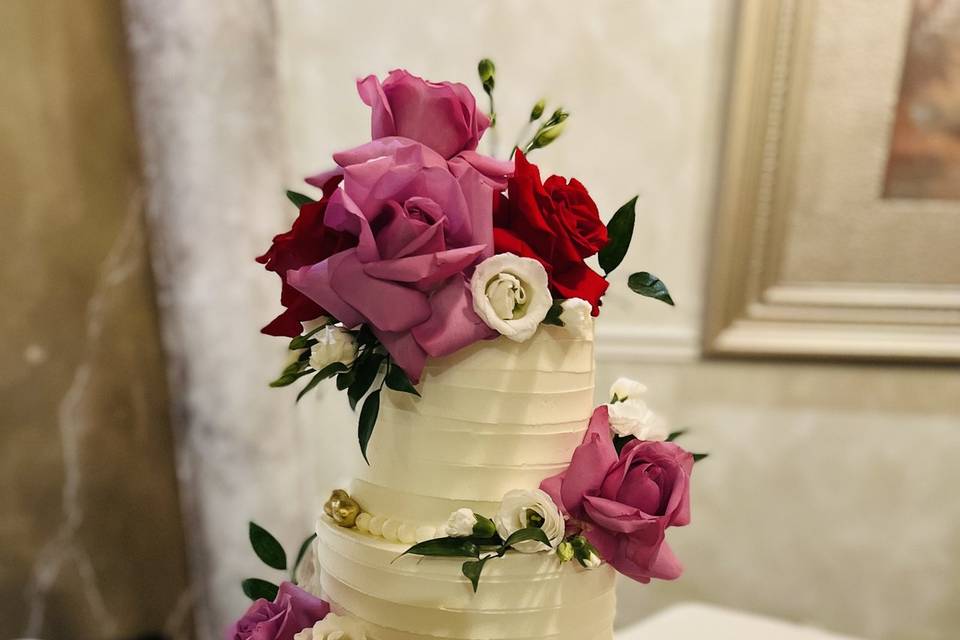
{"x": 472, "y": 570}
{"x": 448, "y": 547}
{"x": 298, "y": 199}
{"x": 368, "y": 420}
{"x": 522, "y": 535}
{"x": 676, "y": 434}
{"x": 398, "y": 380}
{"x": 649, "y": 285}
{"x": 697, "y": 457}
{"x": 267, "y": 547}
{"x": 255, "y": 588}
{"x": 553, "y": 315}
{"x": 619, "y": 235}
{"x": 300, "y": 554}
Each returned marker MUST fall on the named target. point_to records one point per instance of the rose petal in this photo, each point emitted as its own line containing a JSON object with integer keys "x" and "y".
{"x": 316, "y": 282}
{"x": 453, "y": 324}
{"x": 386, "y": 305}
{"x": 619, "y": 518}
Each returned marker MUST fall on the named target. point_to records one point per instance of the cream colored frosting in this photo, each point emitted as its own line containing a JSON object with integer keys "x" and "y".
{"x": 496, "y": 416}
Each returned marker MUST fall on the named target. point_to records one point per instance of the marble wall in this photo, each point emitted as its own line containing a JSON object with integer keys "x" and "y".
{"x": 91, "y": 542}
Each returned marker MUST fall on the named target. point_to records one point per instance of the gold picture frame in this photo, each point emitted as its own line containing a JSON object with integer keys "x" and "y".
{"x": 765, "y": 235}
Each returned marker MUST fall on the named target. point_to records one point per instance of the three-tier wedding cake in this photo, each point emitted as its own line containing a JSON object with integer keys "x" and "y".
{"x": 448, "y": 295}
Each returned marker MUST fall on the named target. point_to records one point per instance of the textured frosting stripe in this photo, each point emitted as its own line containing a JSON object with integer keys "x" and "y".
{"x": 488, "y": 406}
{"x": 473, "y": 448}
{"x": 410, "y": 507}
{"x": 391, "y": 415}
{"x": 551, "y": 349}
{"x": 436, "y": 621}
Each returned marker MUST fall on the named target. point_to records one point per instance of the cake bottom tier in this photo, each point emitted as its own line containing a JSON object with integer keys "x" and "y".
{"x": 521, "y": 596}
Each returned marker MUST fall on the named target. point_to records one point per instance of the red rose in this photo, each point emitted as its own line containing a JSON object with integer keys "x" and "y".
{"x": 309, "y": 241}
{"x": 556, "y": 223}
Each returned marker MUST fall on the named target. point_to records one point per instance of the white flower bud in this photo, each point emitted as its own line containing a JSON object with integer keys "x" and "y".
{"x": 461, "y": 523}
{"x": 575, "y": 316}
{"x": 626, "y": 388}
{"x": 334, "y": 344}
{"x": 334, "y": 627}
{"x": 634, "y": 418}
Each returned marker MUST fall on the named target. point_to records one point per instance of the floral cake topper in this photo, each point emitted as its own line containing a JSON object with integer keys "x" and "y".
{"x": 419, "y": 245}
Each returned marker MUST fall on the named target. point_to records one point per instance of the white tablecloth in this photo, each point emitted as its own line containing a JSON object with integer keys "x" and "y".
{"x": 707, "y": 622}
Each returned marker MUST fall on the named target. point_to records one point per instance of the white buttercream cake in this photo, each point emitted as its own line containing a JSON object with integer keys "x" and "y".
{"x": 496, "y": 416}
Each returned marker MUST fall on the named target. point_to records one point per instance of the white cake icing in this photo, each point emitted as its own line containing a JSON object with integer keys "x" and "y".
{"x": 496, "y": 416}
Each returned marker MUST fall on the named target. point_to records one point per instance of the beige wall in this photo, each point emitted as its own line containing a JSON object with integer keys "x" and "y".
{"x": 91, "y": 544}
{"x": 827, "y": 498}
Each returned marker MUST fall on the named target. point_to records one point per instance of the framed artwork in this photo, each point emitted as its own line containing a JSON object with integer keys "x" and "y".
{"x": 838, "y": 213}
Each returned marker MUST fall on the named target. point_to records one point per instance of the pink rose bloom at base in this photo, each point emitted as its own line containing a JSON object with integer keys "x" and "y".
{"x": 624, "y": 504}
{"x": 292, "y": 611}
{"x": 422, "y": 223}
{"x": 440, "y": 115}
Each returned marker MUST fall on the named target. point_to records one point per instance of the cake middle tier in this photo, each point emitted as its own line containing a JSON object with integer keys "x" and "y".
{"x": 496, "y": 416}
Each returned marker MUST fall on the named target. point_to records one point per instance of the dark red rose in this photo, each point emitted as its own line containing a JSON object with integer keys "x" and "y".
{"x": 308, "y": 242}
{"x": 556, "y": 223}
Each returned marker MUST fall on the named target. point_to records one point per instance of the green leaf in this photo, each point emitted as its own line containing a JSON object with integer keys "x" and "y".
{"x": 256, "y": 588}
{"x": 368, "y": 420}
{"x": 522, "y": 535}
{"x": 345, "y": 379}
{"x": 289, "y": 378}
{"x": 619, "y": 235}
{"x": 448, "y": 547}
{"x": 647, "y": 284}
{"x": 298, "y": 199}
{"x": 267, "y": 548}
{"x": 472, "y": 570}
{"x": 328, "y": 371}
{"x": 619, "y": 442}
{"x": 697, "y": 457}
{"x": 676, "y": 434}
{"x": 553, "y": 315}
{"x": 303, "y": 551}
{"x": 398, "y": 380}
{"x": 365, "y": 368}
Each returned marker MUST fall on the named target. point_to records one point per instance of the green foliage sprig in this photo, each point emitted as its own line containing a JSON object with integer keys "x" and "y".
{"x": 479, "y": 549}
{"x": 272, "y": 554}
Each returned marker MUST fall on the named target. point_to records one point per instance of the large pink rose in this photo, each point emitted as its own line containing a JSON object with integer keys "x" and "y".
{"x": 441, "y": 115}
{"x": 292, "y": 611}
{"x": 422, "y": 223}
{"x": 624, "y": 504}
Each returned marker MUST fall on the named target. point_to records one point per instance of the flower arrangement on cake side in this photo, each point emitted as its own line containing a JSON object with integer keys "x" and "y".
{"x": 420, "y": 245}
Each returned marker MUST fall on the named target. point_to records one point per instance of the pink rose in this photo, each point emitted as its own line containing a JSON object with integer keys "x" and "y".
{"x": 292, "y": 611}
{"x": 441, "y": 115}
{"x": 421, "y": 223}
{"x": 624, "y": 504}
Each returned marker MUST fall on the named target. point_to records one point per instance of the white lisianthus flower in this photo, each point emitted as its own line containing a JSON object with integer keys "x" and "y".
{"x": 461, "y": 523}
{"x": 334, "y": 344}
{"x": 334, "y": 627}
{"x": 634, "y": 418}
{"x": 575, "y": 316}
{"x": 522, "y": 508}
{"x": 626, "y": 388}
{"x": 319, "y": 321}
{"x": 511, "y": 295}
